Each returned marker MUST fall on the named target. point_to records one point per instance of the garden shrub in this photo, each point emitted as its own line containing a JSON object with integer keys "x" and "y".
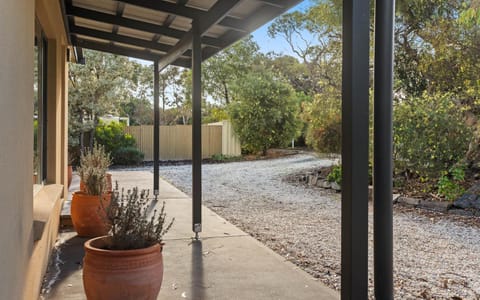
{"x": 129, "y": 155}
{"x": 112, "y": 136}
{"x": 263, "y": 112}
{"x": 335, "y": 175}
{"x": 449, "y": 184}
{"x": 323, "y": 116}
{"x": 119, "y": 144}
{"x": 430, "y": 135}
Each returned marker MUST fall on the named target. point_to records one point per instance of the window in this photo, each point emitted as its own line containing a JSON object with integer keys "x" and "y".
{"x": 40, "y": 107}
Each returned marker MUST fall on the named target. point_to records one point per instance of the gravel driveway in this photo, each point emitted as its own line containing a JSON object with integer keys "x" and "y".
{"x": 436, "y": 256}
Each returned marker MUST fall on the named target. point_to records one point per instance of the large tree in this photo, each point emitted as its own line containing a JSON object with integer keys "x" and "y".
{"x": 220, "y": 72}
{"x": 264, "y": 111}
{"x": 314, "y": 36}
{"x": 101, "y": 86}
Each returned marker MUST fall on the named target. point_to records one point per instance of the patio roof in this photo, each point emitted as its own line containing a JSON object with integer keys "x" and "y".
{"x": 162, "y": 30}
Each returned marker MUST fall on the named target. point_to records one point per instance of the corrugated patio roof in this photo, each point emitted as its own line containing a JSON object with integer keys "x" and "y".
{"x": 162, "y": 30}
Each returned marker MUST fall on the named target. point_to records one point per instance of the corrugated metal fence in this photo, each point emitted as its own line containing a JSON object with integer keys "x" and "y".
{"x": 176, "y": 141}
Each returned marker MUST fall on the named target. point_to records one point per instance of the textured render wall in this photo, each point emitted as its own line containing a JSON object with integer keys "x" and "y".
{"x": 16, "y": 146}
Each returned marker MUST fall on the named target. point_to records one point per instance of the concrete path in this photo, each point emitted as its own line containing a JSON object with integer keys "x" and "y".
{"x": 225, "y": 264}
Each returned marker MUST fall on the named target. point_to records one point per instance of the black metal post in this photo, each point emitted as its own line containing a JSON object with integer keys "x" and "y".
{"x": 196, "y": 130}
{"x": 156, "y": 129}
{"x": 382, "y": 173}
{"x": 355, "y": 112}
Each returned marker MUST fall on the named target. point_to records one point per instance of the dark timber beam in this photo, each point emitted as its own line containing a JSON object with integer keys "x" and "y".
{"x": 276, "y": 3}
{"x": 218, "y": 11}
{"x": 193, "y": 13}
{"x": 119, "y": 38}
{"x": 355, "y": 118}
{"x": 383, "y": 149}
{"x": 89, "y": 14}
{"x": 123, "y": 39}
{"x": 167, "y": 7}
{"x": 196, "y": 131}
{"x": 63, "y": 7}
{"x": 113, "y": 49}
{"x": 267, "y": 12}
{"x": 178, "y": 50}
{"x": 168, "y": 21}
{"x": 263, "y": 15}
{"x": 156, "y": 128}
{"x": 119, "y": 13}
{"x": 80, "y": 58}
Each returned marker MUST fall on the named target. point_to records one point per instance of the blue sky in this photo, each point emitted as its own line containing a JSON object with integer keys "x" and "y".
{"x": 278, "y": 44}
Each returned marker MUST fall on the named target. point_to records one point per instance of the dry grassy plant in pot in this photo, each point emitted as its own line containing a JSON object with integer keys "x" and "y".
{"x": 88, "y": 206}
{"x": 127, "y": 264}
{"x": 97, "y": 159}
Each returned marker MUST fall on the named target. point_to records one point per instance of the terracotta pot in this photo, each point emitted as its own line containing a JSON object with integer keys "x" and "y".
{"x": 121, "y": 274}
{"x": 70, "y": 175}
{"x": 108, "y": 178}
{"x": 88, "y": 214}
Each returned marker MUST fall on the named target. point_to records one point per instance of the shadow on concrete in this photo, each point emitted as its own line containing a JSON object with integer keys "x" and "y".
{"x": 64, "y": 267}
{"x": 196, "y": 276}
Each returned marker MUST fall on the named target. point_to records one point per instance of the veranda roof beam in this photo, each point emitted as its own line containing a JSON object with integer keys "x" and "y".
{"x": 276, "y": 3}
{"x": 194, "y": 13}
{"x": 118, "y": 38}
{"x": 115, "y": 49}
{"x": 79, "y": 42}
{"x": 263, "y": 15}
{"x": 218, "y": 11}
{"x": 122, "y": 39}
{"x": 133, "y": 24}
{"x": 119, "y": 13}
{"x": 168, "y": 7}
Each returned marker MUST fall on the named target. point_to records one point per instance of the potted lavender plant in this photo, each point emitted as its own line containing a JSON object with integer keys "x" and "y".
{"x": 131, "y": 255}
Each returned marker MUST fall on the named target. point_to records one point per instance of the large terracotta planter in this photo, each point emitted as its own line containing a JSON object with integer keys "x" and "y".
{"x": 88, "y": 214}
{"x": 108, "y": 178}
{"x": 121, "y": 274}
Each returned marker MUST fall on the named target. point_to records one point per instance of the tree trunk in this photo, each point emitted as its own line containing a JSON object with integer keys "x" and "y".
{"x": 82, "y": 133}
{"x": 225, "y": 92}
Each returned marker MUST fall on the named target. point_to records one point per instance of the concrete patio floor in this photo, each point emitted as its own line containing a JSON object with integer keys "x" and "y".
{"x": 226, "y": 263}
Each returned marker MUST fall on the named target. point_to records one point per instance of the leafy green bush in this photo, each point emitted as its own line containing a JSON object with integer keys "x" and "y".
{"x": 429, "y": 135}
{"x": 323, "y": 116}
{"x": 129, "y": 155}
{"x": 121, "y": 145}
{"x": 263, "y": 112}
{"x": 449, "y": 184}
{"x": 335, "y": 175}
{"x": 112, "y": 136}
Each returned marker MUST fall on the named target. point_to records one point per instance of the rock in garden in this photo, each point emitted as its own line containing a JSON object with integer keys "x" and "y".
{"x": 467, "y": 200}
{"x": 326, "y": 184}
{"x": 408, "y": 201}
{"x": 335, "y": 186}
{"x": 312, "y": 179}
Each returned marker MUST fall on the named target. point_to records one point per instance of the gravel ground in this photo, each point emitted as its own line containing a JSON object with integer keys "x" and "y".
{"x": 436, "y": 256}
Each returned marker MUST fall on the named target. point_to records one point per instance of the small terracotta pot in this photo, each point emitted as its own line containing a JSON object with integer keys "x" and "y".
{"x": 121, "y": 274}
{"x": 88, "y": 214}
{"x": 108, "y": 178}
